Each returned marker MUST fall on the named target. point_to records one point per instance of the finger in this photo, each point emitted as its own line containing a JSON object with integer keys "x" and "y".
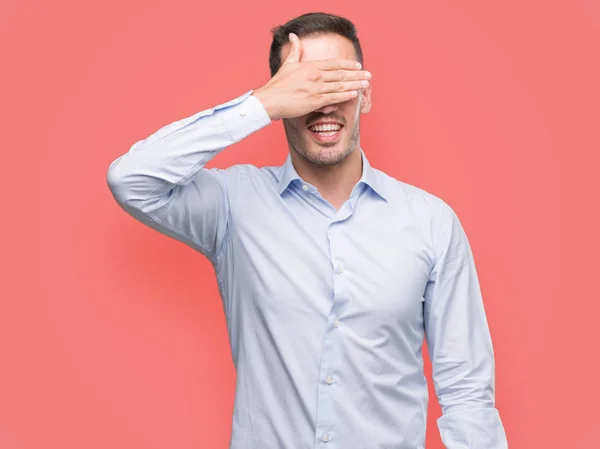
{"x": 345, "y": 75}
{"x": 338, "y": 97}
{"x": 337, "y": 64}
{"x": 295, "y": 51}
{"x": 344, "y": 86}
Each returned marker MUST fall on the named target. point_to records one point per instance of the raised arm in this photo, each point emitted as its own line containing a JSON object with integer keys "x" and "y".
{"x": 162, "y": 180}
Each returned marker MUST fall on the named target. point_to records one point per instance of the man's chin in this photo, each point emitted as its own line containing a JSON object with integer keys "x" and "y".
{"x": 326, "y": 155}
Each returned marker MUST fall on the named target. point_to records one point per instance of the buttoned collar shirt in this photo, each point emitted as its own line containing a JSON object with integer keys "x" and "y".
{"x": 327, "y": 310}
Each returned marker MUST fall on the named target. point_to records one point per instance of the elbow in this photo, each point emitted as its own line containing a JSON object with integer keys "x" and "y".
{"x": 468, "y": 398}
{"x": 119, "y": 186}
{"x": 466, "y": 385}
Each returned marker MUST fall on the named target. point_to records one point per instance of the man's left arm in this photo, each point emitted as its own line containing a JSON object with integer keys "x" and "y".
{"x": 459, "y": 343}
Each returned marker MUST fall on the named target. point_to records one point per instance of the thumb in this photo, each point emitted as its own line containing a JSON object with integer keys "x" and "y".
{"x": 295, "y": 51}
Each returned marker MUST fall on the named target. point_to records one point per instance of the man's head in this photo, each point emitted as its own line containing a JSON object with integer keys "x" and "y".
{"x": 322, "y": 36}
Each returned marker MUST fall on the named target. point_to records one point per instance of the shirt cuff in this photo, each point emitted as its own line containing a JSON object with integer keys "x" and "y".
{"x": 242, "y": 116}
{"x": 473, "y": 428}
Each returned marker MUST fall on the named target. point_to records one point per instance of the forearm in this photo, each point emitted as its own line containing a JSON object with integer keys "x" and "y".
{"x": 465, "y": 386}
{"x": 175, "y": 153}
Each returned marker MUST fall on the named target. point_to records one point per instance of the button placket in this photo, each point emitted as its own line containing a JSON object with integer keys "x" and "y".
{"x": 326, "y": 421}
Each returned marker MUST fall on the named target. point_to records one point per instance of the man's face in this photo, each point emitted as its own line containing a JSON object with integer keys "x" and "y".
{"x": 328, "y": 135}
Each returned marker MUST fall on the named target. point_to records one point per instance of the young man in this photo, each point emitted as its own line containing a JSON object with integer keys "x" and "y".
{"x": 331, "y": 272}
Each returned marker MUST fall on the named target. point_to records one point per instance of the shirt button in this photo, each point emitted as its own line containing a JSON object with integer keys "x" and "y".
{"x": 242, "y": 112}
{"x": 336, "y": 323}
{"x": 326, "y": 438}
{"x": 340, "y": 268}
{"x": 305, "y": 187}
{"x": 329, "y": 380}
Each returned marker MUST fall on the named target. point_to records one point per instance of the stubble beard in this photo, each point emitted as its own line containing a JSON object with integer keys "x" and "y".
{"x": 320, "y": 155}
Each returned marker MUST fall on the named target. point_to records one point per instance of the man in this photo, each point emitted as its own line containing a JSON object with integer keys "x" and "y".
{"x": 331, "y": 273}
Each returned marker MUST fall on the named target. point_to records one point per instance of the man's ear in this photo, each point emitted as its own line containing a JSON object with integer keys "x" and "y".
{"x": 365, "y": 100}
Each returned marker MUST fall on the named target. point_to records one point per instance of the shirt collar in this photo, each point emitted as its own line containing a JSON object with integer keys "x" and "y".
{"x": 369, "y": 177}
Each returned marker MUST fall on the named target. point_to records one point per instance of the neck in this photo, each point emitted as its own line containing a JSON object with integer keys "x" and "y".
{"x": 334, "y": 182}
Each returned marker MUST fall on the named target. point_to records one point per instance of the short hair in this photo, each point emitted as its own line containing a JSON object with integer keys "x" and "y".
{"x": 312, "y": 24}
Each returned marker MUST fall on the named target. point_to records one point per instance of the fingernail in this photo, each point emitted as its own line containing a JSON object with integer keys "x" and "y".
{"x": 358, "y": 65}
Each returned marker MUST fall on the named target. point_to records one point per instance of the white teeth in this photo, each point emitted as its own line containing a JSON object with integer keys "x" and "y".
{"x": 327, "y": 127}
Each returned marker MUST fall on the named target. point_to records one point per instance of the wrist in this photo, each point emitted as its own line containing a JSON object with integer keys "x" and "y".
{"x": 264, "y": 100}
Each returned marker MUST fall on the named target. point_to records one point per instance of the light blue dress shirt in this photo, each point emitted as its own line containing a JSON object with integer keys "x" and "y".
{"x": 326, "y": 310}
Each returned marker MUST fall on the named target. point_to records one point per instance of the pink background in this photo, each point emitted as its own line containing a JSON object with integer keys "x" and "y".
{"x": 113, "y": 336}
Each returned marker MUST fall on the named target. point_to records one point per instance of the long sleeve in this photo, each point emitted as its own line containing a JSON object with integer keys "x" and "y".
{"x": 460, "y": 344}
{"x": 162, "y": 180}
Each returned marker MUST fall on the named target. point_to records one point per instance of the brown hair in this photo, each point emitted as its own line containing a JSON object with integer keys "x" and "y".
{"x": 311, "y": 24}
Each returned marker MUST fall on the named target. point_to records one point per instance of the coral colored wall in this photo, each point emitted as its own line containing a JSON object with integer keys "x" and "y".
{"x": 113, "y": 336}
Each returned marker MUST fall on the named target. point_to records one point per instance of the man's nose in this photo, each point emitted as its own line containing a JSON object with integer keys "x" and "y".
{"x": 328, "y": 109}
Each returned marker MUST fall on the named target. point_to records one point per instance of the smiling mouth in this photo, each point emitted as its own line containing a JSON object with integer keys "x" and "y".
{"x": 326, "y": 132}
